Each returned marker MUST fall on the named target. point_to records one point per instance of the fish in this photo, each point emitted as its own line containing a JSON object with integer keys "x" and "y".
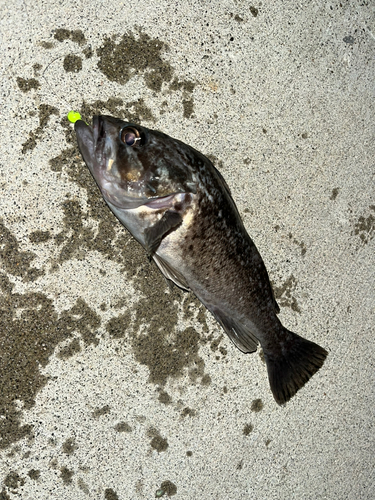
{"x": 178, "y": 206}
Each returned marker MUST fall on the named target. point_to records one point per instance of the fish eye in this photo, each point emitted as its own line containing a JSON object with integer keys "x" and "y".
{"x": 130, "y": 136}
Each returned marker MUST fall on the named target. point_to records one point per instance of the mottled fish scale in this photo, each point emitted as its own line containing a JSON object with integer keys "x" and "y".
{"x": 179, "y": 207}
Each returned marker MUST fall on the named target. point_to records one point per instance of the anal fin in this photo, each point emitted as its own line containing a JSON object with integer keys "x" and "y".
{"x": 170, "y": 272}
{"x": 239, "y": 334}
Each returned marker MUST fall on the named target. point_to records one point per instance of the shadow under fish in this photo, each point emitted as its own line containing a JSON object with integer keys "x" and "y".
{"x": 178, "y": 206}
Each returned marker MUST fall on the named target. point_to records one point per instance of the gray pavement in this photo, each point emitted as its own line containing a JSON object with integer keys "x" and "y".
{"x": 114, "y": 387}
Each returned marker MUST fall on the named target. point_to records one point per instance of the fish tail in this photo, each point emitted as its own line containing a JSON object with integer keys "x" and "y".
{"x": 291, "y": 366}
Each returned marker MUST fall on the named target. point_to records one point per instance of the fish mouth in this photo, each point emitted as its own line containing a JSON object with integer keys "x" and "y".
{"x": 91, "y": 141}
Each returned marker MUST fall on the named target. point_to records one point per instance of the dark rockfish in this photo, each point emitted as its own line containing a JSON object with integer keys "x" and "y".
{"x": 179, "y": 207}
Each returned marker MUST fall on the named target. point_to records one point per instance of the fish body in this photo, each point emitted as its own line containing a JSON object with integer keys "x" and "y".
{"x": 180, "y": 209}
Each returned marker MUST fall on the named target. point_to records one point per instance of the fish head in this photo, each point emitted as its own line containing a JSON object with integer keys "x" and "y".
{"x": 131, "y": 164}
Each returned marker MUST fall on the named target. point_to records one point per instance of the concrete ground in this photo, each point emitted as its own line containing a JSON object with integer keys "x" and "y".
{"x": 114, "y": 387}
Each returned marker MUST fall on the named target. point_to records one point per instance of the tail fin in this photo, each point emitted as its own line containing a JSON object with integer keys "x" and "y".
{"x": 293, "y": 365}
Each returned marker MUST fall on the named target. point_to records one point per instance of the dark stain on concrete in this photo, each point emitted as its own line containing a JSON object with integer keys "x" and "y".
{"x": 188, "y": 412}
{"x": 13, "y": 480}
{"x": 66, "y": 475}
{"x": 72, "y": 63}
{"x": 301, "y": 244}
{"x": 39, "y": 236}
{"x": 247, "y": 429}
{"x": 283, "y": 294}
{"x": 87, "y": 52}
{"x": 118, "y": 326}
{"x": 25, "y": 85}
{"x": 134, "y": 55}
{"x": 166, "y": 487}
{"x": 30, "y": 330}
{"x": 185, "y": 85}
{"x": 76, "y": 36}
{"x": 188, "y": 106}
{"x": 99, "y": 412}
{"x": 159, "y": 346}
{"x": 45, "y": 112}
{"x": 335, "y": 192}
{"x": 15, "y": 261}
{"x": 123, "y": 427}
{"x": 83, "y": 486}
{"x": 215, "y": 343}
{"x": 257, "y": 405}
{"x": 4, "y": 495}
{"x": 365, "y": 227}
{"x": 69, "y": 350}
{"x": 157, "y": 442}
{"x": 110, "y": 494}
{"x": 164, "y": 397}
{"x": 46, "y": 45}
{"x": 37, "y": 68}
{"x": 69, "y": 446}
{"x": 236, "y": 17}
{"x": 34, "y": 474}
{"x": 254, "y": 11}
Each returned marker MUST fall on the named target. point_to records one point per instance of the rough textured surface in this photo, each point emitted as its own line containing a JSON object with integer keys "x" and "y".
{"x": 113, "y": 386}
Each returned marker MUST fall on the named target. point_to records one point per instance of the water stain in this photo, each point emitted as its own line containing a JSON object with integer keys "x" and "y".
{"x": 188, "y": 107}
{"x": 301, "y": 244}
{"x": 335, "y": 192}
{"x": 46, "y": 45}
{"x": 76, "y": 36}
{"x": 30, "y": 330}
{"x": 45, "y": 112}
{"x": 15, "y": 261}
{"x": 283, "y": 294}
{"x": 34, "y": 474}
{"x": 66, "y": 475}
{"x": 123, "y": 427}
{"x": 135, "y": 55}
{"x": 239, "y": 465}
{"x": 157, "y": 442}
{"x": 37, "y": 68}
{"x": 247, "y": 429}
{"x": 100, "y": 412}
{"x": 365, "y": 227}
{"x": 110, "y": 494}
{"x": 164, "y": 397}
{"x": 69, "y": 446}
{"x": 257, "y": 405}
{"x": 39, "y": 236}
{"x": 188, "y": 412}
{"x": 83, "y": 486}
{"x": 13, "y": 480}
{"x": 69, "y": 350}
{"x": 25, "y": 85}
{"x": 72, "y": 63}
{"x": 166, "y": 487}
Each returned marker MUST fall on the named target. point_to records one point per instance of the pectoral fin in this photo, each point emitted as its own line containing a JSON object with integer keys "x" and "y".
{"x": 154, "y": 234}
